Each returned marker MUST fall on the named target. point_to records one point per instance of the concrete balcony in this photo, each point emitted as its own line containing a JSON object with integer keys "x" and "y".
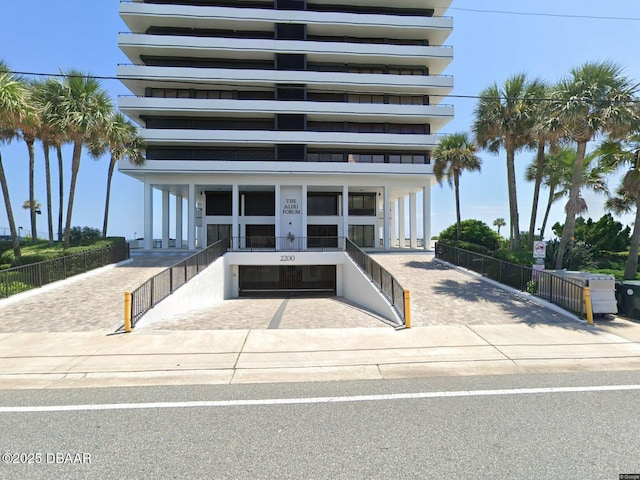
{"x": 140, "y": 16}
{"x": 436, "y": 115}
{"x": 137, "y": 77}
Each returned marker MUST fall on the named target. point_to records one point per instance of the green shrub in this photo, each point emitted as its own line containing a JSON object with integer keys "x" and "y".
{"x": 473, "y": 247}
{"x": 521, "y": 257}
{"x": 577, "y": 256}
{"x": 473, "y": 231}
{"x": 84, "y": 236}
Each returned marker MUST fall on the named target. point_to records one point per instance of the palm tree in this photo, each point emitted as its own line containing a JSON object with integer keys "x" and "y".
{"x": 29, "y": 126}
{"x": 81, "y": 110}
{"x": 42, "y": 93}
{"x": 626, "y": 152}
{"x": 504, "y": 118}
{"x": 499, "y": 222}
{"x": 557, "y": 175}
{"x": 626, "y": 201}
{"x": 556, "y": 168}
{"x": 454, "y": 154}
{"x": 14, "y": 107}
{"x": 122, "y": 140}
{"x": 596, "y": 98}
{"x": 542, "y": 138}
{"x": 35, "y": 208}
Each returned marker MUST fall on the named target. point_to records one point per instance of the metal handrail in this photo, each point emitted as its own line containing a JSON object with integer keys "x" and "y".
{"x": 35, "y": 275}
{"x": 547, "y": 285}
{"x": 163, "y": 284}
{"x": 286, "y": 244}
{"x": 381, "y": 278}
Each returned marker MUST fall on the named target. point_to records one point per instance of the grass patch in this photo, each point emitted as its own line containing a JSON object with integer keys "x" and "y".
{"x": 42, "y": 251}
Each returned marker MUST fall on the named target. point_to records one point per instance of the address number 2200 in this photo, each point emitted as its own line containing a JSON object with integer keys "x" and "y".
{"x": 287, "y": 258}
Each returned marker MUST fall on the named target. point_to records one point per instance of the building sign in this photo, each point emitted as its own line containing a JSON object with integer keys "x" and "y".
{"x": 291, "y": 207}
{"x": 539, "y": 249}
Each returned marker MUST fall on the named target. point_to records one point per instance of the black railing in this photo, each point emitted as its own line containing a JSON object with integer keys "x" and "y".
{"x": 34, "y": 275}
{"x": 286, "y": 244}
{"x": 555, "y": 289}
{"x": 163, "y": 284}
{"x": 386, "y": 283}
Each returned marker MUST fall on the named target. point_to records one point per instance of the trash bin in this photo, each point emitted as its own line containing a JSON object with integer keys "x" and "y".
{"x": 628, "y": 296}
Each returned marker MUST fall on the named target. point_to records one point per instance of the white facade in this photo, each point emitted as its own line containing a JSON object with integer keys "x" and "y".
{"x": 287, "y": 119}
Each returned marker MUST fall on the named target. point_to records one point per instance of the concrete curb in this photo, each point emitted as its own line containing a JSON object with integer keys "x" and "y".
{"x": 60, "y": 283}
{"x": 523, "y": 295}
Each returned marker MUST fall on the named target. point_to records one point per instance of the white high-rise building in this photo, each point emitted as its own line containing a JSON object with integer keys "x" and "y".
{"x": 287, "y": 124}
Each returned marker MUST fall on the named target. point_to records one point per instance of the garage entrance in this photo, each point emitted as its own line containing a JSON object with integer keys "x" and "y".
{"x": 281, "y": 280}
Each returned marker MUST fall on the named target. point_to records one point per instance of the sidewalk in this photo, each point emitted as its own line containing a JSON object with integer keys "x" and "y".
{"x": 152, "y": 357}
{"x": 63, "y": 337}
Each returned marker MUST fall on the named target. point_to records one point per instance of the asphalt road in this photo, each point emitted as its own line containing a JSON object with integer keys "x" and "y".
{"x": 366, "y": 429}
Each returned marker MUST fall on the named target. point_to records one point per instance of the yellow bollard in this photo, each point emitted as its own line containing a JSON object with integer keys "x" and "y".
{"x": 588, "y": 306}
{"x": 127, "y": 311}
{"x": 407, "y": 309}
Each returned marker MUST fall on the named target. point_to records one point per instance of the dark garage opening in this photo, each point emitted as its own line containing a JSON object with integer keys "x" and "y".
{"x": 287, "y": 280}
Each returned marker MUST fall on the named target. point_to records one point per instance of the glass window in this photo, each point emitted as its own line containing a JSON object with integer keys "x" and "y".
{"x": 259, "y": 204}
{"x": 218, "y": 203}
{"x": 420, "y": 159}
{"x": 378, "y": 158}
{"x": 406, "y": 159}
{"x": 394, "y": 158}
{"x": 322, "y": 204}
{"x": 362, "y": 235}
{"x": 217, "y": 232}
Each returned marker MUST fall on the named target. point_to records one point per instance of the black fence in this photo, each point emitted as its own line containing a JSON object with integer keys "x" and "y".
{"x": 286, "y": 244}
{"x": 386, "y": 283}
{"x": 163, "y": 284}
{"x": 566, "y": 293}
{"x": 34, "y": 275}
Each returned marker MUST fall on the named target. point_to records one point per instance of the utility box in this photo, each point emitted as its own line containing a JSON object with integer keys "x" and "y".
{"x": 628, "y": 294}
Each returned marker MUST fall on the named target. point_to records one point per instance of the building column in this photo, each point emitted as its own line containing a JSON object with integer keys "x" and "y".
{"x": 426, "y": 215}
{"x": 178, "y": 221}
{"x": 148, "y": 215}
{"x": 278, "y": 217}
{"x": 345, "y": 212}
{"x": 413, "y": 221}
{"x": 393, "y": 223}
{"x": 191, "y": 218}
{"x": 235, "y": 216}
{"x": 386, "y": 209}
{"x": 165, "y": 219}
{"x": 401, "y": 223}
{"x": 304, "y": 217}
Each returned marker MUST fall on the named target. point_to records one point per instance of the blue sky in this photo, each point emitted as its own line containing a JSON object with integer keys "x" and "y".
{"x": 45, "y": 36}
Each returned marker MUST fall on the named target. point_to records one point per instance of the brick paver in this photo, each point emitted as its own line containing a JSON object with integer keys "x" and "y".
{"x": 439, "y": 296}
{"x": 88, "y": 304}
{"x": 443, "y": 296}
{"x": 261, "y": 313}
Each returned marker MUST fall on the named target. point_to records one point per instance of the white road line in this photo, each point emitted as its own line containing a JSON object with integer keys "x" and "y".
{"x": 298, "y": 401}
